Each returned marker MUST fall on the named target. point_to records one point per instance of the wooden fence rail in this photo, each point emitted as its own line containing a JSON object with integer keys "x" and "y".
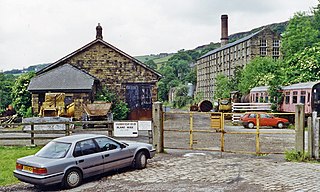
{"x": 8, "y": 134}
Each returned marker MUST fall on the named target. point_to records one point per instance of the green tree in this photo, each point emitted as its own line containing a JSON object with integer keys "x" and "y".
{"x": 151, "y": 64}
{"x": 181, "y": 98}
{"x": 261, "y": 71}
{"x": 176, "y": 71}
{"x": 304, "y": 65}
{"x": 21, "y": 98}
{"x": 299, "y": 34}
{"x": 222, "y": 87}
{"x": 300, "y": 45}
{"x": 119, "y": 108}
{"x": 6, "y": 83}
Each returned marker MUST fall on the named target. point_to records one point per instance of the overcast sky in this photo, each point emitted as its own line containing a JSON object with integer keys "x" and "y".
{"x": 43, "y": 31}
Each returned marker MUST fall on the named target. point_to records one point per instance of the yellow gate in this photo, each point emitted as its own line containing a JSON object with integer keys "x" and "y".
{"x": 214, "y": 131}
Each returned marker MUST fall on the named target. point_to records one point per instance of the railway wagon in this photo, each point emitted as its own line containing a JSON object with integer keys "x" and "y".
{"x": 305, "y": 93}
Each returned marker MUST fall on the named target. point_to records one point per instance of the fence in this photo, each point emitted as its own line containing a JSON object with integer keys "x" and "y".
{"x": 212, "y": 132}
{"x": 12, "y": 136}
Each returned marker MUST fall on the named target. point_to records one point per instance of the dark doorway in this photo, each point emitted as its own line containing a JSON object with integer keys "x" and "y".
{"x": 139, "y": 99}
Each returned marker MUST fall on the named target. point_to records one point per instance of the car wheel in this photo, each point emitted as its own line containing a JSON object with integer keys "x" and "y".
{"x": 73, "y": 178}
{"x": 280, "y": 125}
{"x": 251, "y": 125}
{"x": 140, "y": 160}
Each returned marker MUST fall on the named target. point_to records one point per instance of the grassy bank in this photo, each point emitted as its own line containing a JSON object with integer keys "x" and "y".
{"x": 8, "y": 157}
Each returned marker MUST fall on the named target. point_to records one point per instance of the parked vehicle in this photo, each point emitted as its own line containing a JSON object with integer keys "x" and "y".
{"x": 68, "y": 160}
{"x": 307, "y": 93}
{"x": 249, "y": 120}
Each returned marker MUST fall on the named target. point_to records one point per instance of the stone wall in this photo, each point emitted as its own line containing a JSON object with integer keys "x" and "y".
{"x": 112, "y": 68}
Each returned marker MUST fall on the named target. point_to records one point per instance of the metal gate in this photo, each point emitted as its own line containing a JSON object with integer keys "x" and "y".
{"x": 216, "y": 132}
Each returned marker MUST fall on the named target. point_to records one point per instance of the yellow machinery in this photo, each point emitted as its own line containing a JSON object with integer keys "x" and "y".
{"x": 54, "y": 106}
{"x": 225, "y": 105}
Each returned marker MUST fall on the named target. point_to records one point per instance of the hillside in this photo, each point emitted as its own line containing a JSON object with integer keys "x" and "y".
{"x": 161, "y": 58}
{"x": 203, "y": 49}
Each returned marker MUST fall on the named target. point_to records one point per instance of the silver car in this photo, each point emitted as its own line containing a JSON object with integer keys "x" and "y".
{"x": 68, "y": 160}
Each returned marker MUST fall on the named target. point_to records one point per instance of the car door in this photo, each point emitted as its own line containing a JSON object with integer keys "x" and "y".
{"x": 88, "y": 158}
{"x": 114, "y": 154}
{"x": 266, "y": 120}
{"x": 252, "y": 118}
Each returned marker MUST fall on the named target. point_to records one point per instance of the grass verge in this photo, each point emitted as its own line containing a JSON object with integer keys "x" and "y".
{"x": 8, "y": 157}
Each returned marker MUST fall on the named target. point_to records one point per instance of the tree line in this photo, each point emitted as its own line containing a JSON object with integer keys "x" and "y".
{"x": 13, "y": 91}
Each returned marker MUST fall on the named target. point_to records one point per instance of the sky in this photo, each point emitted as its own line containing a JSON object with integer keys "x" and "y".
{"x": 43, "y": 31}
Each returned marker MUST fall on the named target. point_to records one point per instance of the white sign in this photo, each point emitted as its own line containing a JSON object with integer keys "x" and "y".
{"x": 125, "y": 129}
{"x": 144, "y": 125}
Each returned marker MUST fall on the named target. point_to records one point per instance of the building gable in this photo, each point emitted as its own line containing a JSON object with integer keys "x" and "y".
{"x": 105, "y": 52}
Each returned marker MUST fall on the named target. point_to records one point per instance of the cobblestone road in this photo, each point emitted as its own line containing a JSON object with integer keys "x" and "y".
{"x": 205, "y": 171}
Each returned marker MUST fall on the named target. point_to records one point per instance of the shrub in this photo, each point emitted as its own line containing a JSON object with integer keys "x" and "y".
{"x": 296, "y": 156}
{"x": 119, "y": 108}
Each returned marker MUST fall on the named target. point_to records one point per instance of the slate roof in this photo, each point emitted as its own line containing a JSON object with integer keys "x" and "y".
{"x": 60, "y": 61}
{"x": 306, "y": 85}
{"x": 261, "y": 88}
{"x": 231, "y": 44}
{"x": 65, "y": 77}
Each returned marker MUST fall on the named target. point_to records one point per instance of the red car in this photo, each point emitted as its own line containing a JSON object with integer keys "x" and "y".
{"x": 249, "y": 120}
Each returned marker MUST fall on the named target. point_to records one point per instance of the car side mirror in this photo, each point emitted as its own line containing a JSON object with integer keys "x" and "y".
{"x": 122, "y": 145}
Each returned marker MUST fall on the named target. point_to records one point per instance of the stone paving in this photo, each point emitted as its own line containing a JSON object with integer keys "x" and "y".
{"x": 206, "y": 171}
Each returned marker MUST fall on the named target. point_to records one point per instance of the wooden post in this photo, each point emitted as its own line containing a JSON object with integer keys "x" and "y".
{"x": 316, "y": 138}
{"x": 157, "y": 118}
{"x": 258, "y": 134}
{"x": 32, "y": 134}
{"x": 299, "y": 127}
{"x": 150, "y": 137}
{"x": 67, "y": 129}
{"x": 191, "y": 131}
{"x": 310, "y": 137}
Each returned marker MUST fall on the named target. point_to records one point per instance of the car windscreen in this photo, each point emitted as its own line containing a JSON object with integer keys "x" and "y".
{"x": 54, "y": 150}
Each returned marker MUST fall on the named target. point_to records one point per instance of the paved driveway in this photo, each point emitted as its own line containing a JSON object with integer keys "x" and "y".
{"x": 205, "y": 171}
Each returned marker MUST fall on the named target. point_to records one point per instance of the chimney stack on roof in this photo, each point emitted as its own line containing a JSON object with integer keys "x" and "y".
{"x": 224, "y": 30}
{"x": 99, "y": 32}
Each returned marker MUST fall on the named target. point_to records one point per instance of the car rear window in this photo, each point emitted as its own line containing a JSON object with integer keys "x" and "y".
{"x": 54, "y": 150}
{"x": 252, "y": 115}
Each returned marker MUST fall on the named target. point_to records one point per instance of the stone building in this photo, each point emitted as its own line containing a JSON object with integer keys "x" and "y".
{"x": 98, "y": 64}
{"x": 230, "y": 56}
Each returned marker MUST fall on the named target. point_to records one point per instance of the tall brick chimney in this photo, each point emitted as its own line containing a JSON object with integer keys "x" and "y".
{"x": 224, "y": 30}
{"x": 99, "y": 32}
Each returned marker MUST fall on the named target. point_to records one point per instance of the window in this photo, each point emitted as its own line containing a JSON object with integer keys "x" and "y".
{"x": 106, "y": 144}
{"x": 85, "y": 148}
{"x": 257, "y": 97}
{"x": 266, "y": 99}
{"x": 303, "y": 97}
{"x": 263, "y": 47}
{"x": 263, "y": 51}
{"x": 295, "y": 97}
{"x": 276, "y": 43}
{"x": 275, "y": 52}
{"x": 263, "y": 115}
{"x": 287, "y": 100}
{"x": 54, "y": 150}
{"x": 308, "y": 97}
{"x": 253, "y": 115}
{"x": 263, "y": 42}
